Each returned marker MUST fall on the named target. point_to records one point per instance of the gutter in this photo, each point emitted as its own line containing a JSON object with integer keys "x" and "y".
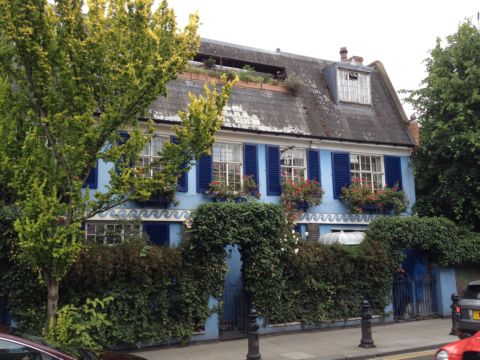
{"x": 294, "y": 135}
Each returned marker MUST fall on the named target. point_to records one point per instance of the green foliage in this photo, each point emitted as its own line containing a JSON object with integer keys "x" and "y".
{"x": 437, "y": 237}
{"x": 447, "y": 171}
{"x": 69, "y": 82}
{"x": 146, "y": 285}
{"x": 258, "y": 229}
{"x": 222, "y": 192}
{"x": 83, "y": 327}
{"x": 162, "y": 293}
{"x": 25, "y": 296}
{"x": 325, "y": 282}
{"x": 299, "y": 195}
{"x": 248, "y": 74}
{"x": 360, "y": 195}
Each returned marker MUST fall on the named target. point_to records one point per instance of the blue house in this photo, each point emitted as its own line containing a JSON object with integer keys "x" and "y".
{"x": 342, "y": 120}
{"x": 330, "y": 120}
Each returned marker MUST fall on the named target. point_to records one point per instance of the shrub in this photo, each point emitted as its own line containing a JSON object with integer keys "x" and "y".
{"x": 82, "y": 327}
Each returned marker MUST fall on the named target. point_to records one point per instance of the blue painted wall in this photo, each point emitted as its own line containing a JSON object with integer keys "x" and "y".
{"x": 408, "y": 181}
{"x": 211, "y": 325}
{"x": 191, "y": 199}
{"x": 176, "y": 234}
{"x": 445, "y": 286}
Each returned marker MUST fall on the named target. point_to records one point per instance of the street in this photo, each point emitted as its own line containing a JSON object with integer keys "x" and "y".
{"x": 418, "y": 355}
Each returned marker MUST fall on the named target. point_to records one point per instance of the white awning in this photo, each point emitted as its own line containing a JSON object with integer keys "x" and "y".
{"x": 342, "y": 237}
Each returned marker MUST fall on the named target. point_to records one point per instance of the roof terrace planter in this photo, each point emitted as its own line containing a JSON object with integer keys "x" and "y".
{"x": 211, "y": 75}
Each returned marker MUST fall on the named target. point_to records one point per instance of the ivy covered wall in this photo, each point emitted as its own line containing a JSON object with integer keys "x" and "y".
{"x": 161, "y": 293}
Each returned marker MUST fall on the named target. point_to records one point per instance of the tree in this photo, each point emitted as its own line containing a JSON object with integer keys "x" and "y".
{"x": 447, "y": 164}
{"x": 69, "y": 83}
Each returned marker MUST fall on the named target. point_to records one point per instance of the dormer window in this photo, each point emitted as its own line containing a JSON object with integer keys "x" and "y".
{"x": 353, "y": 86}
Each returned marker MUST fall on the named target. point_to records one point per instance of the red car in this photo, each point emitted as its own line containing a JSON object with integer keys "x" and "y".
{"x": 466, "y": 349}
{"x": 18, "y": 348}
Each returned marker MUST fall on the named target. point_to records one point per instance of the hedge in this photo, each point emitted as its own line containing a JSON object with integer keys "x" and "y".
{"x": 162, "y": 293}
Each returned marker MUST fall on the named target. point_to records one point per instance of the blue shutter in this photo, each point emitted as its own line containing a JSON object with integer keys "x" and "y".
{"x": 341, "y": 172}
{"x": 124, "y": 136}
{"x": 393, "y": 171}
{"x": 183, "y": 179}
{"x": 313, "y": 162}
{"x": 92, "y": 179}
{"x": 273, "y": 171}
{"x": 204, "y": 173}
{"x": 250, "y": 161}
{"x": 158, "y": 232}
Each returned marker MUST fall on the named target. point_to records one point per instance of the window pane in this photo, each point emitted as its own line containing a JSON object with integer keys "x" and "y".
{"x": 287, "y": 173}
{"x": 377, "y": 181}
{"x": 146, "y": 149}
{"x": 368, "y": 178}
{"x": 227, "y": 164}
{"x": 354, "y": 162}
{"x": 293, "y": 164}
{"x": 365, "y": 163}
{"x": 216, "y": 152}
{"x": 157, "y": 144}
{"x": 353, "y": 86}
{"x": 10, "y": 350}
{"x": 355, "y": 175}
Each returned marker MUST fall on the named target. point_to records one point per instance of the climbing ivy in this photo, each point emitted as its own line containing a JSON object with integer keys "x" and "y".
{"x": 259, "y": 230}
{"x": 161, "y": 293}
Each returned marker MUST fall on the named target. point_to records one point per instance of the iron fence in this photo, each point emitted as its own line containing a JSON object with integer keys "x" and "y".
{"x": 414, "y": 299}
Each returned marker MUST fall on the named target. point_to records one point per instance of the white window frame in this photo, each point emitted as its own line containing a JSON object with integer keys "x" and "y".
{"x": 223, "y": 164}
{"x": 100, "y": 231}
{"x": 287, "y": 154}
{"x": 354, "y": 86}
{"x": 149, "y": 154}
{"x": 366, "y": 175}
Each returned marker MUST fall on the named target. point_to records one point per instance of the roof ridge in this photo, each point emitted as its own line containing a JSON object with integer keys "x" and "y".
{"x": 270, "y": 52}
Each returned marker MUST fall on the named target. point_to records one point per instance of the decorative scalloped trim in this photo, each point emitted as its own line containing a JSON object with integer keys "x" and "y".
{"x": 183, "y": 215}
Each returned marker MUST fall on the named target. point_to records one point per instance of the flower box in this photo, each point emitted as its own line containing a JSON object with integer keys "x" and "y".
{"x": 361, "y": 197}
{"x": 220, "y": 192}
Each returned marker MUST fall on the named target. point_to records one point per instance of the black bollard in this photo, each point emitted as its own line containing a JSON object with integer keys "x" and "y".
{"x": 366, "y": 341}
{"x": 253, "y": 338}
{"x": 455, "y": 312}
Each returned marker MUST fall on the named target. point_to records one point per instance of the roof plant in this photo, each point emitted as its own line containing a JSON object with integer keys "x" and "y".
{"x": 69, "y": 81}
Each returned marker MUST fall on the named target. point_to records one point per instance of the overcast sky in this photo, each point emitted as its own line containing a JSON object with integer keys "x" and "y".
{"x": 398, "y": 33}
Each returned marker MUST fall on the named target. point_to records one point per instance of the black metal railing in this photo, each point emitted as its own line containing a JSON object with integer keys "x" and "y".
{"x": 414, "y": 299}
{"x": 234, "y": 315}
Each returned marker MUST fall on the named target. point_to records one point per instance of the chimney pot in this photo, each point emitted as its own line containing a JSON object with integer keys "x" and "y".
{"x": 357, "y": 60}
{"x": 343, "y": 53}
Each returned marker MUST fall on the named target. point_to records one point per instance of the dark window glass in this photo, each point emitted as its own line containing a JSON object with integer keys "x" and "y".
{"x": 472, "y": 292}
{"x": 10, "y": 350}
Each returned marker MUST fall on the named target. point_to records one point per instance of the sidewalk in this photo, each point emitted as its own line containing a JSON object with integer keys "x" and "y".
{"x": 327, "y": 344}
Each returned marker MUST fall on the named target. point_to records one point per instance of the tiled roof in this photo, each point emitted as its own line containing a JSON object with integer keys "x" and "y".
{"x": 311, "y": 112}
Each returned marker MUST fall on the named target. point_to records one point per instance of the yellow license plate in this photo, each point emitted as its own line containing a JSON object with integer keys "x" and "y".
{"x": 476, "y": 315}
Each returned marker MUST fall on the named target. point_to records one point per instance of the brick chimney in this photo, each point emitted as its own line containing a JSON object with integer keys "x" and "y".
{"x": 357, "y": 60}
{"x": 343, "y": 53}
{"x": 414, "y": 129}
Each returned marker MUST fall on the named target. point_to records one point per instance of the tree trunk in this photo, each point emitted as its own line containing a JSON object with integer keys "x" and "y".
{"x": 52, "y": 300}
